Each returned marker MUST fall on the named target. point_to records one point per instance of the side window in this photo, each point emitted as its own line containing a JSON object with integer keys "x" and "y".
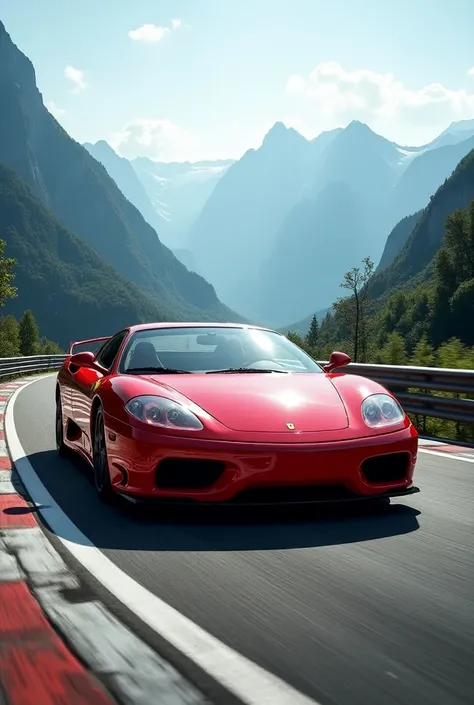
{"x": 106, "y": 356}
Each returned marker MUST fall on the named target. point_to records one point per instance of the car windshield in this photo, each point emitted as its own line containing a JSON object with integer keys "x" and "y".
{"x": 212, "y": 350}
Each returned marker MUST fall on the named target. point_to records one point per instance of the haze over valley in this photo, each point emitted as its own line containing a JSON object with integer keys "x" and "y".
{"x": 265, "y": 236}
{"x": 304, "y": 210}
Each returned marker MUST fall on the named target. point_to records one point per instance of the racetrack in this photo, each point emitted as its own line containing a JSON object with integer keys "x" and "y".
{"x": 351, "y": 609}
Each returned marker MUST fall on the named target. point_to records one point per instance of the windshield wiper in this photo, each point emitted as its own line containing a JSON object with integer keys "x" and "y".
{"x": 231, "y": 370}
{"x": 157, "y": 371}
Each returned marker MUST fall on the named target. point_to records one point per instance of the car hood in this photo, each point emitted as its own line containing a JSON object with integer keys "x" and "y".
{"x": 265, "y": 403}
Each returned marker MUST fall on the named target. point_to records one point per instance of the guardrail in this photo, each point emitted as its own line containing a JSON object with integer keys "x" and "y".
{"x": 11, "y": 366}
{"x": 397, "y": 378}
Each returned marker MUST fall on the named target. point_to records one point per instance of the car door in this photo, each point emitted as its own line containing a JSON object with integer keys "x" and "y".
{"x": 85, "y": 383}
{"x": 64, "y": 384}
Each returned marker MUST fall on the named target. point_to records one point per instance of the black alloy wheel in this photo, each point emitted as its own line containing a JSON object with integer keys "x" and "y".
{"x": 102, "y": 481}
{"x": 59, "y": 428}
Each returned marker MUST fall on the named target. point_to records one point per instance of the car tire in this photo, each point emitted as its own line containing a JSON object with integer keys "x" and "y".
{"x": 102, "y": 481}
{"x": 59, "y": 428}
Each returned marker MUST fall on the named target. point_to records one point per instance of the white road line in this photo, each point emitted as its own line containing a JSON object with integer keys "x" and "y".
{"x": 450, "y": 456}
{"x": 248, "y": 681}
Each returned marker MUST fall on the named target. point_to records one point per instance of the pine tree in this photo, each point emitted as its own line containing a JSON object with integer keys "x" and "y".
{"x": 453, "y": 354}
{"x": 9, "y": 337}
{"x": 312, "y": 337}
{"x": 423, "y": 354}
{"x": 295, "y": 338}
{"x": 48, "y": 347}
{"x": 393, "y": 352}
{"x": 7, "y": 291}
{"x": 29, "y": 334}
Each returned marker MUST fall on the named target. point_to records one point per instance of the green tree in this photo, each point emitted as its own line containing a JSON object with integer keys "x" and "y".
{"x": 454, "y": 273}
{"x": 7, "y": 290}
{"x": 29, "y": 334}
{"x": 453, "y": 354}
{"x": 423, "y": 354}
{"x": 462, "y": 311}
{"x": 393, "y": 352}
{"x": 9, "y": 337}
{"x": 296, "y": 339}
{"x": 312, "y": 337}
{"x": 48, "y": 347}
{"x": 394, "y": 311}
{"x": 354, "y": 309}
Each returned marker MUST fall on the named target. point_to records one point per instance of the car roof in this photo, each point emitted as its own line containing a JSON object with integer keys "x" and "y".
{"x": 194, "y": 324}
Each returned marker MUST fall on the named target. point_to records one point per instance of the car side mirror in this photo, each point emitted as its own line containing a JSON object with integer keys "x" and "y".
{"x": 82, "y": 359}
{"x": 337, "y": 359}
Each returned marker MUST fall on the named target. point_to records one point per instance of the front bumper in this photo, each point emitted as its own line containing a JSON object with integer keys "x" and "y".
{"x": 269, "y": 502}
{"x": 147, "y": 467}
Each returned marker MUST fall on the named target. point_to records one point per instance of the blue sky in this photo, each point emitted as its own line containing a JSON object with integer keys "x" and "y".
{"x": 213, "y": 84}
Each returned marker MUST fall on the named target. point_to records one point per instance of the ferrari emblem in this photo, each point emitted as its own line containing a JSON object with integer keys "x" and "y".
{"x": 96, "y": 385}
{"x": 290, "y": 426}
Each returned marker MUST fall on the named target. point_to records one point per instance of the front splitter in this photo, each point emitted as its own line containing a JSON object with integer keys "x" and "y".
{"x": 353, "y": 499}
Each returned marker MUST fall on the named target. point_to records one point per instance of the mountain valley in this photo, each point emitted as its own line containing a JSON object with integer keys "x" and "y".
{"x": 266, "y": 238}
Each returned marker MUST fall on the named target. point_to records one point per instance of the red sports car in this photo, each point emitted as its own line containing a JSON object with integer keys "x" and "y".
{"x": 233, "y": 414}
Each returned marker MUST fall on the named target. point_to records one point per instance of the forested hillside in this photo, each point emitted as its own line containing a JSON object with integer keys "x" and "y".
{"x": 72, "y": 292}
{"x": 429, "y": 319}
{"x": 81, "y": 195}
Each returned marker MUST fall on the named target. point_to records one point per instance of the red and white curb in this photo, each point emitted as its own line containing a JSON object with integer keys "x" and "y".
{"x": 434, "y": 447}
{"x": 56, "y": 648}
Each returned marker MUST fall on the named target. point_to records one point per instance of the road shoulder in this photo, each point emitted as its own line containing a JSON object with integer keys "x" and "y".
{"x": 57, "y": 645}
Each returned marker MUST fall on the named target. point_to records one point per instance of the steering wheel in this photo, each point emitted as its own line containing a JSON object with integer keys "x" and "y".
{"x": 262, "y": 363}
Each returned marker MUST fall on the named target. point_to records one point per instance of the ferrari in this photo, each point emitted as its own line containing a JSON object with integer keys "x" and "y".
{"x": 231, "y": 414}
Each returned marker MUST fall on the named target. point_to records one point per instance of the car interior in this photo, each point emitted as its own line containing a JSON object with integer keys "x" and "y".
{"x": 204, "y": 353}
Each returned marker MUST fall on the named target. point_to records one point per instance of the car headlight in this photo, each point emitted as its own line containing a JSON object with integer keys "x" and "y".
{"x": 381, "y": 410}
{"x": 158, "y": 411}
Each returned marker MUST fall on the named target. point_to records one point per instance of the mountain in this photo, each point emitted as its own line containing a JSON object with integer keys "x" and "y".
{"x": 80, "y": 193}
{"x": 125, "y": 176}
{"x": 72, "y": 293}
{"x": 367, "y": 165}
{"x": 187, "y": 258}
{"x": 318, "y": 241}
{"x": 456, "y": 132}
{"x": 332, "y": 228}
{"x": 302, "y": 327}
{"x": 122, "y": 172}
{"x": 424, "y": 174}
{"x": 234, "y": 229}
{"x": 421, "y": 305}
{"x": 178, "y": 192}
{"x": 397, "y": 238}
{"x": 414, "y": 261}
{"x": 361, "y": 185}
{"x": 287, "y": 220}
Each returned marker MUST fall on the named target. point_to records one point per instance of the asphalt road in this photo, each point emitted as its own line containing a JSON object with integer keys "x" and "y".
{"x": 350, "y": 608}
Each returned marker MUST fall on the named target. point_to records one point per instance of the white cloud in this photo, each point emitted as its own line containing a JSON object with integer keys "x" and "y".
{"x": 76, "y": 76}
{"x": 296, "y": 84}
{"x": 152, "y": 33}
{"x": 471, "y": 72}
{"x": 54, "y": 109}
{"x": 363, "y": 94}
{"x": 157, "y": 139}
{"x": 149, "y": 33}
